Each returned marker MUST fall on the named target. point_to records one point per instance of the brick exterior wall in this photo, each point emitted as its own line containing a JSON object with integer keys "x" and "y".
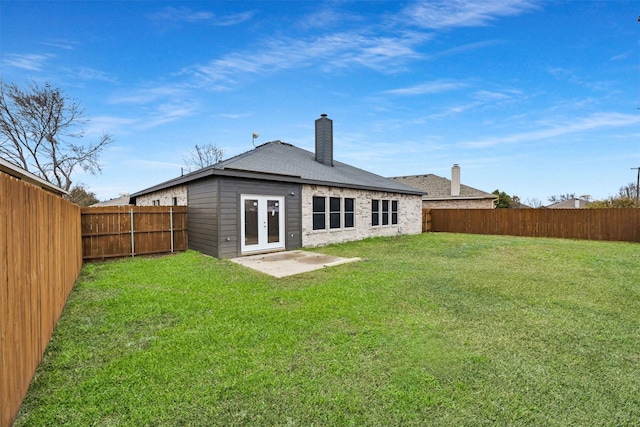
{"x": 409, "y": 216}
{"x": 459, "y": 204}
{"x": 165, "y": 197}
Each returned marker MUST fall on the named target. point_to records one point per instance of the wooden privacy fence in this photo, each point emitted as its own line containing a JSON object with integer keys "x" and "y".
{"x": 589, "y": 224}
{"x": 40, "y": 259}
{"x": 118, "y": 231}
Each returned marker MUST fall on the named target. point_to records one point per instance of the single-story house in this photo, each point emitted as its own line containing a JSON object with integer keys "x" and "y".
{"x": 574, "y": 203}
{"x": 448, "y": 194}
{"x": 123, "y": 200}
{"x": 280, "y": 197}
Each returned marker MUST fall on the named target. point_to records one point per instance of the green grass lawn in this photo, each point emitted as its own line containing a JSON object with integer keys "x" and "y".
{"x": 434, "y": 329}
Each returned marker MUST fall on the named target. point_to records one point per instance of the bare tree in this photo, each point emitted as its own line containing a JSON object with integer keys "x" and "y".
{"x": 628, "y": 191}
{"x": 38, "y": 127}
{"x": 562, "y": 197}
{"x": 534, "y": 203}
{"x": 202, "y": 156}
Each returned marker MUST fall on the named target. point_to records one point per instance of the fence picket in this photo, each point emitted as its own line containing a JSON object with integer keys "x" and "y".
{"x": 587, "y": 224}
{"x": 118, "y": 231}
{"x": 40, "y": 259}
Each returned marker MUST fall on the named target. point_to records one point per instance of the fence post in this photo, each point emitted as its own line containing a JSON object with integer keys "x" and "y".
{"x": 133, "y": 240}
{"x": 171, "y": 225}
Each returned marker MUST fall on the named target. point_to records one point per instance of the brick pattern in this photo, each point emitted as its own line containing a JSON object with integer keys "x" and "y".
{"x": 165, "y": 197}
{"x": 409, "y": 216}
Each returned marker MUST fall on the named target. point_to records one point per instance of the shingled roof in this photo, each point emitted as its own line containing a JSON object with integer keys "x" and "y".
{"x": 439, "y": 188}
{"x": 280, "y": 161}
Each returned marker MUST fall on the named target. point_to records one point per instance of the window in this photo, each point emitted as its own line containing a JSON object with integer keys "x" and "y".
{"x": 394, "y": 212}
{"x": 385, "y": 212}
{"x": 349, "y": 213}
{"x": 380, "y": 210}
{"x": 174, "y": 201}
{"x": 334, "y": 212}
{"x": 340, "y": 212}
{"x": 375, "y": 212}
{"x": 319, "y": 213}
{"x": 156, "y": 202}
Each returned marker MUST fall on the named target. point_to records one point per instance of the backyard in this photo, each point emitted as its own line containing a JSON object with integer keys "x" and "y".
{"x": 432, "y": 329}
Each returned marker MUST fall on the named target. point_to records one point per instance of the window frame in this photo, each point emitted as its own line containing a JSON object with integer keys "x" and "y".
{"x": 349, "y": 215}
{"x": 335, "y": 215}
{"x": 394, "y": 212}
{"x": 375, "y": 212}
{"x": 384, "y": 212}
{"x": 318, "y": 216}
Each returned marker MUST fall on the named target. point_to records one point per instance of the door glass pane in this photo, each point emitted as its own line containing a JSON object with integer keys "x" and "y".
{"x": 250, "y": 222}
{"x": 273, "y": 220}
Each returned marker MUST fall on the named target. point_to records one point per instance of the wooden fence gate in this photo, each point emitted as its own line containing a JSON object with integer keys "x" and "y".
{"x": 119, "y": 231}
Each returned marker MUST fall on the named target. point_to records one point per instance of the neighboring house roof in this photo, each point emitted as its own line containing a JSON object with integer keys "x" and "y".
{"x": 123, "y": 200}
{"x": 280, "y": 161}
{"x": 570, "y": 204}
{"x": 17, "y": 172}
{"x": 439, "y": 188}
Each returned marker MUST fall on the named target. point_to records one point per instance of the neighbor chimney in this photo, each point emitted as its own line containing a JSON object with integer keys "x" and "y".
{"x": 455, "y": 180}
{"x": 324, "y": 140}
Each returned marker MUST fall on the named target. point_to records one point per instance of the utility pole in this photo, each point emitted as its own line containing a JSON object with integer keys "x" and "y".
{"x": 637, "y": 181}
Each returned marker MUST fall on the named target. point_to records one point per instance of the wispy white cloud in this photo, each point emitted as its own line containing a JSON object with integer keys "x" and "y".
{"x": 621, "y": 56}
{"x": 114, "y": 126}
{"x": 442, "y": 14}
{"x": 166, "y": 113}
{"x": 177, "y": 15}
{"x": 328, "y": 52}
{"x": 137, "y": 121}
{"x": 577, "y": 78}
{"x": 29, "y": 61}
{"x": 328, "y": 15}
{"x": 148, "y": 95}
{"x": 234, "y": 116}
{"x": 428, "y": 88}
{"x": 87, "y": 73}
{"x": 466, "y": 48}
{"x": 590, "y": 123}
{"x": 229, "y": 20}
{"x": 480, "y": 99}
{"x": 61, "y": 44}
{"x": 181, "y": 14}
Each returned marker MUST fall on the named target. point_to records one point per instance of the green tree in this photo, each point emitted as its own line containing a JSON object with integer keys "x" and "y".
{"x": 506, "y": 201}
{"x": 615, "y": 202}
{"x": 81, "y": 196}
{"x": 626, "y": 198}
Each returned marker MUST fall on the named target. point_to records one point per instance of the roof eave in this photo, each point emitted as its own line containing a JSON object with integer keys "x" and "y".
{"x": 237, "y": 173}
{"x": 19, "y": 173}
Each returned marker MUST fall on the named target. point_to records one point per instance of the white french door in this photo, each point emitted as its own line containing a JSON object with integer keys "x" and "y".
{"x": 262, "y": 222}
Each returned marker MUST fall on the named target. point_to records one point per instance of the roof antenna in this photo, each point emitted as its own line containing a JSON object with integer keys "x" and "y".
{"x": 253, "y": 138}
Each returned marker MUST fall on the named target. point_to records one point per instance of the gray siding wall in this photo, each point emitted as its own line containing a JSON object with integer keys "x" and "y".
{"x": 229, "y": 212}
{"x": 202, "y": 220}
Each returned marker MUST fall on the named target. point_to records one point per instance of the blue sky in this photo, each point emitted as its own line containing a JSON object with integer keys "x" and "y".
{"x": 532, "y": 98}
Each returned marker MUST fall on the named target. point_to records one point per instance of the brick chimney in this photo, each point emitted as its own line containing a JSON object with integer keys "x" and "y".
{"x": 324, "y": 140}
{"x": 455, "y": 180}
